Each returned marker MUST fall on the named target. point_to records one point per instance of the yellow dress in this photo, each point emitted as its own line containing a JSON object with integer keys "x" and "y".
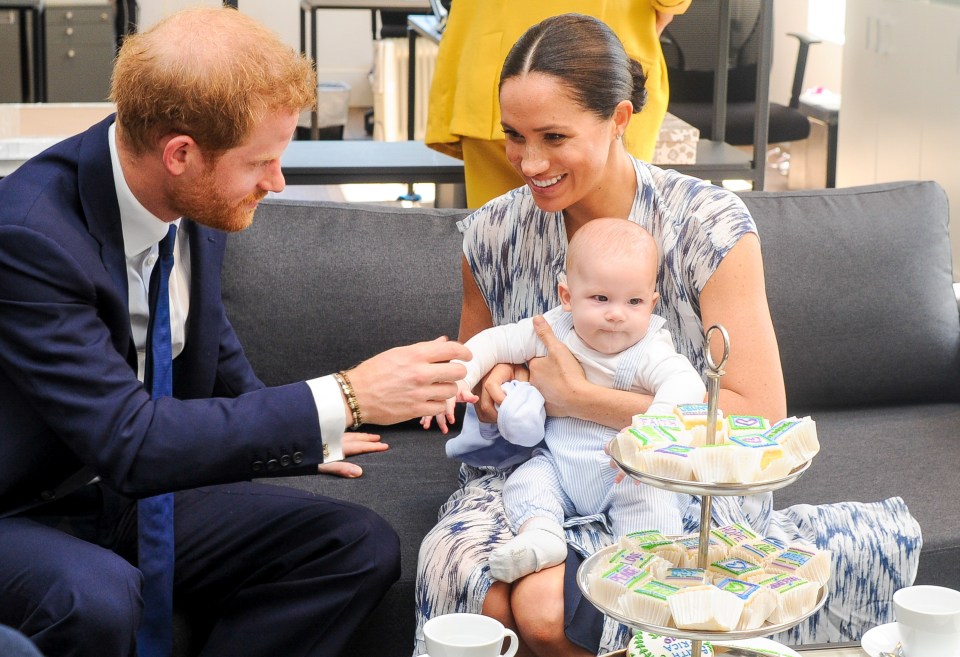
{"x": 464, "y": 111}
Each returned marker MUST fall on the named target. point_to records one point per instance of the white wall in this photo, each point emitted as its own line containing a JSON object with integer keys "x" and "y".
{"x": 824, "y": 63}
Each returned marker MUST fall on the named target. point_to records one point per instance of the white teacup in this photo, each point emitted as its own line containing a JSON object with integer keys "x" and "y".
{"x": 467, "y": 635}
{"x": 928, "y": 620}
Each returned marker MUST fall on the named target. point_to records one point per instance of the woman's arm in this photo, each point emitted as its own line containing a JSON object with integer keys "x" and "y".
{"x": 735, "y": 297}
{"x": 474, "y": 314}
{"x": 559, "y": 378}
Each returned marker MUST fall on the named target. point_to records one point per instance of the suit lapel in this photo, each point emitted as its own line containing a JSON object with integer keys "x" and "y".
{"x": 98, "y": 200}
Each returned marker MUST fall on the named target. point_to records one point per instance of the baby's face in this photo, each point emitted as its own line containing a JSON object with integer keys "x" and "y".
{"x": 611, "y": 301}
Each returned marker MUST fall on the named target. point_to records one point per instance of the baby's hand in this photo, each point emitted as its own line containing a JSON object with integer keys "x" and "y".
{"x": 465, "y": 394}
{"x": 447, "y": 417}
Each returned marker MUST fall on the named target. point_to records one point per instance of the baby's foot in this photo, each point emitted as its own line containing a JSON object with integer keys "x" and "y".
{"x": 530, "y": 552}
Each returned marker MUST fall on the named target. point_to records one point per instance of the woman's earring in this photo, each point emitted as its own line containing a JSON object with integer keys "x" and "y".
{"x": 619, "y": 136}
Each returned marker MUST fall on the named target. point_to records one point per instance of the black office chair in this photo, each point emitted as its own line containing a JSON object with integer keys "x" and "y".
{"x": 690, "y": 46}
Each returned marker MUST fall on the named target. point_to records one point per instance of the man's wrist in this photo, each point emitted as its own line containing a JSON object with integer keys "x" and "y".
{"x": 351, "y": 405}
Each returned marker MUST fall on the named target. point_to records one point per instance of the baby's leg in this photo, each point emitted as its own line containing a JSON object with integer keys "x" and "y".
{"x": 535, "y": 506}
{"x": 640, "y": 507}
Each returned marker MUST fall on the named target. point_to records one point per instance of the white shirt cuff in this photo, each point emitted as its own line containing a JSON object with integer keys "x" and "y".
{"x": 329, "y": 400}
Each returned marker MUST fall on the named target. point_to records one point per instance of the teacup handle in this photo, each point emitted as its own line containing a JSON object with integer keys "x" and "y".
{"x": 514, "y": 643}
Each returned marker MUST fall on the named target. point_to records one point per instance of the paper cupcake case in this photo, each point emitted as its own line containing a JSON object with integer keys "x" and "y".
{"x": 705, "y": 488}
{"x": 766, "y": 629}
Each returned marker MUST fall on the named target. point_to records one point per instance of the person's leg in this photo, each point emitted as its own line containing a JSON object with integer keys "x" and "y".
{"x": 279, "y": 571}
{"x": 536, "y": 506}
{"x": 640, "y": 507}
{"x": 70, "y": 597}
{"x": 486, "y": 171}
{"x": 537, "y": 602}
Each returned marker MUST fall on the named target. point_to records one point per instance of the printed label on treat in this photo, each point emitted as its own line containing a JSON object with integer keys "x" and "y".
{"x": 656, "y": 589}
{"x": 781, "y": 428}
{"x": 693, "y": 542}
{"x": 639, "y": 560}
{"x": 754, "y": 440}
{"x": 761, "y": 549}
{"x": 650, "y": 436}
{"x": 624, "y": 575}
{"x": 649, "y": 539}
{"x": 741, "y": 589}
{"x": 692, "y": 411}
{"x": 793, "y": 558}
{"x": 681, "y": 451}
{"x": 733, "y": 534}
{"x": 782, "y": 583}
{"x": 668, "y": 422}
{"x": 684, "y": 576}
{"x": 735, "y": 567}
{"x": 652, "y": 645}
{"x": 753, "y": 423}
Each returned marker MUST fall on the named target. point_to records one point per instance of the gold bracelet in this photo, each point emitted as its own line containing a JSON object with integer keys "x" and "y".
{"x": 351, "y": 397}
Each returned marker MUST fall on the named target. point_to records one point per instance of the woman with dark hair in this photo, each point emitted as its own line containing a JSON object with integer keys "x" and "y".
{"x": 464, "y": 118}
{"x": 567, "y": 94}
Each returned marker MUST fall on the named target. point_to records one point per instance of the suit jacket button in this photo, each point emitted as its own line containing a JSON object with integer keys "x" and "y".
{"x": 285, "y": 460}
{"x": 298, "y": 457}
{"x": 257, "y": 466}
{"x": 273, "y": 464}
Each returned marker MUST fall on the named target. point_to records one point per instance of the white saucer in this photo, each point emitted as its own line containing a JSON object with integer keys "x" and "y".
{"x": 881, "y": 638}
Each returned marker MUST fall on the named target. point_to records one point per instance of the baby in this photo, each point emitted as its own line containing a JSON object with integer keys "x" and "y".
{"x": 606, "y": 320}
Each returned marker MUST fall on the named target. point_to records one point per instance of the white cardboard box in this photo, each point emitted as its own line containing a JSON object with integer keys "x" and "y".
{"x": 676, "y": 143}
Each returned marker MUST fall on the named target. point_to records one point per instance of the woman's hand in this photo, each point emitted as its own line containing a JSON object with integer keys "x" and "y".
{"x": 558, "y": 376}
{"x": 353, "y": 442}
{"x": 491, "y": 391}
{"x": 663, "y": 19}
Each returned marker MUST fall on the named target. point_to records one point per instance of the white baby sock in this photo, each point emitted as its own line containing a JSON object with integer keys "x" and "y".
{"x": 540, "y": 544}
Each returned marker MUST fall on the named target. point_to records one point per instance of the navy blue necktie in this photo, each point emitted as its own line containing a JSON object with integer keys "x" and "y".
{"x": 155, "y": 514}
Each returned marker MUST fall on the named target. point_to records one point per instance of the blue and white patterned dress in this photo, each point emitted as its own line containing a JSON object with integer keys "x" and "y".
{"x": 516, "y": 252}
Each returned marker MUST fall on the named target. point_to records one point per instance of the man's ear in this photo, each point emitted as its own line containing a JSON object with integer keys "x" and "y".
{"x": 179, "y": 151}
{"x": 564, "y": 291}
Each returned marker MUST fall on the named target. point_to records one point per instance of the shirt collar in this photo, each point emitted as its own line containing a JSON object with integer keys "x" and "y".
{"x": 141, "y": 228}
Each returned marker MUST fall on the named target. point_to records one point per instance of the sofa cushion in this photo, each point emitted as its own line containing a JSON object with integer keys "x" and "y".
{"x": 333, "y": 276}
{"x": 860, "y": 288}
{"x": 909, "y": 451}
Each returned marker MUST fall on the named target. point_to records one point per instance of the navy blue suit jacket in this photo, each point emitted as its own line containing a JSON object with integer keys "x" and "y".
{"x": 69, "y": 394}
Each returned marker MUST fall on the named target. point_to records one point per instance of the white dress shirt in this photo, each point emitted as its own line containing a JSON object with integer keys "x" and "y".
{"x": 142, "y": 232}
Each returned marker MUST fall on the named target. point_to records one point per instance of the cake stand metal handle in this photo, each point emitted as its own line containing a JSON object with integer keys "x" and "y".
{"x": 714, "y": 372}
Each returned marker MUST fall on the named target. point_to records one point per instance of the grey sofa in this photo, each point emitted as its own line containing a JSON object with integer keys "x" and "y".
{"x": 860, "y": 288}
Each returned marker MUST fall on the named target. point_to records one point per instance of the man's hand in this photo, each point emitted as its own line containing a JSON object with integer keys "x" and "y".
{"x": 408, "y": 382}
{"x": 558, "y": 375}
{"x": 353, "y": 443}
{"x": 448, "y": 417}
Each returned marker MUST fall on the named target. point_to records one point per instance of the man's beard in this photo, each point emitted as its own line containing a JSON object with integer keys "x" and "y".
{"x": 202, "y": 202}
